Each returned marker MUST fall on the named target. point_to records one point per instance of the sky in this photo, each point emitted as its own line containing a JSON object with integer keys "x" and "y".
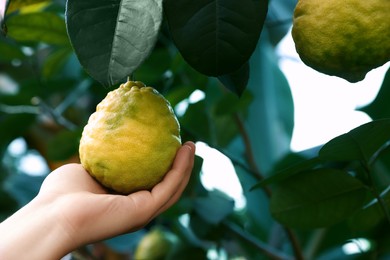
{"x": 325, "y": 106}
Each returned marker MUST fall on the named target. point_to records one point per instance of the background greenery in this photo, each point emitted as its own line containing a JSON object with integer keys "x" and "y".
{"x": 58, "y": 60}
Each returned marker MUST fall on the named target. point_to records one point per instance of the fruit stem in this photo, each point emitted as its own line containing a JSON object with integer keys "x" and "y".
{"x": 131, "y": 77}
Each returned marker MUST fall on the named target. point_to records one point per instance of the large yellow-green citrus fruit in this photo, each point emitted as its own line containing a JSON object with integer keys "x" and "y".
{"x": 344, "y": 38}
{"x": 131, "y": 140}
{"x": 155, "y": 245}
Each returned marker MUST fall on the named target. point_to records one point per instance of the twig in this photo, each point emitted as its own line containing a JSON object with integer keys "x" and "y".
{"x": 237, "y": 162}
{"x": 294, "y": 243}
{"x": 22, "y": 109}
{"x": 382, "y": 204}
{"x": 82, "y": 87}
{"x": 251, "y": 160}
{"x": 57, "y": 117}
{"x": 375, "y": 192}
{"x": 248, "y": 148}
{"x": 250, "y": 239}
{"x": 314, "y": 243}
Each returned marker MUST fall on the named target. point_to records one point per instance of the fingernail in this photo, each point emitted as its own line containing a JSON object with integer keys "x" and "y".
{"x": 190, "y": 145}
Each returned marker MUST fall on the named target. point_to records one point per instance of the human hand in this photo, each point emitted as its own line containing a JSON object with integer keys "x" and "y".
{"x": 77, "y": 210}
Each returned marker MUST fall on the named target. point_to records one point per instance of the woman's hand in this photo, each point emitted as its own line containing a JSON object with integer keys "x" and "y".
{"x": 72, "y": 209}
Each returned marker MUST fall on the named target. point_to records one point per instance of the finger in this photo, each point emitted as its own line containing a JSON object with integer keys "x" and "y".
{"x": 143, "y": 206}
{"x": 148, "y": 204}
{"x": 170, "y": 189}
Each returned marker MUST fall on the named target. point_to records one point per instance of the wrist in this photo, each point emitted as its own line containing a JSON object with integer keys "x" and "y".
{"x": 34, "y": 232}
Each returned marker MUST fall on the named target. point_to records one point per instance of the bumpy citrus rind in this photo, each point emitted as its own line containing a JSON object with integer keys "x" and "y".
{"x": 131, "y": 140}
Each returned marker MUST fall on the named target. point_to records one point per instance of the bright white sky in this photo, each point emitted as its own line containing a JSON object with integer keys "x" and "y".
{"x": 325, "y": 106}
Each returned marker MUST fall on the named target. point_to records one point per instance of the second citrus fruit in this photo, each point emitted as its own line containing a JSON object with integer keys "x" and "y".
{"x": 342, "y": 38}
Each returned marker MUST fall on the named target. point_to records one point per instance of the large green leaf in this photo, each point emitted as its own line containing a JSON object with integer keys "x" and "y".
{"x": 10, "y": 51}
{"x": 317, "y": 198}
{"x": 196, "y": 121}
{"x": 55, "y": 62}
{"x": 152, "y": 70}
{"x": 216, "y": 37}
{"x": 295, "y": 168}
{"x": 194, "y": 185}
{"x": 112, "y": 38}
{"x": 63, "y": 145}
{"x": 38, "y": 27}
{"x": 371, "y": 215}
{"x": 229, "y": 104}
{"x": 11, "y": 127}
{"x": 380, "y": 108}
{"x": 361, "y": 143}
{"x": 237, "y": 80}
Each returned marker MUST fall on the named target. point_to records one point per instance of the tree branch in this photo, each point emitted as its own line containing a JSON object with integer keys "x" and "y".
{"x": 251, "y": 160}
{"x": 253, "y": 241}
{"x": 249, "y": 152}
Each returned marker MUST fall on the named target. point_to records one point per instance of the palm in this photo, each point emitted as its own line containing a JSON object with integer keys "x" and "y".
{"x": 89, "y": 210}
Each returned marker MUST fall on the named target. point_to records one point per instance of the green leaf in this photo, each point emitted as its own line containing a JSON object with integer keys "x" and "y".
{"x": 112, "y": 38}
{"x": 18, "y": 5}
{"x": 178, "y": 94}
{"x": 317, "y": 198}
{"x": 258, "y": 218}
{"x": 216, "y": 37}
{"x": 371, "y": 215}
{"x": 63, "y": 145}
{"x": 154, "y": 67}
{"x": 361, "y": 143}
{"x": 55, "y": 62}
{"x": 380, "y": 108}
{"x": 214, "y": 208}
{"x": 237, "y": 80}
{"x": 188, "y": 251}
{"x": 294, "y": 168}
{"x": 194, "y": 185}
{"x": 38, "y": 27}
{"x": 10, "y": 51}
{"x": 196, "y": 122}
{"x": 125, "y": 243}
{"x": 230, "y": 104}
{"x": 13, "y": 126}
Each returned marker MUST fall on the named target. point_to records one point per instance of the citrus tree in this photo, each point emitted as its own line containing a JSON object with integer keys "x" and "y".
{"x": 59, "y": 59}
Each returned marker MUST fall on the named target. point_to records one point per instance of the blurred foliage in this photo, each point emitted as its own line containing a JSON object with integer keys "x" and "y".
{"x": 298, "y": 205}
